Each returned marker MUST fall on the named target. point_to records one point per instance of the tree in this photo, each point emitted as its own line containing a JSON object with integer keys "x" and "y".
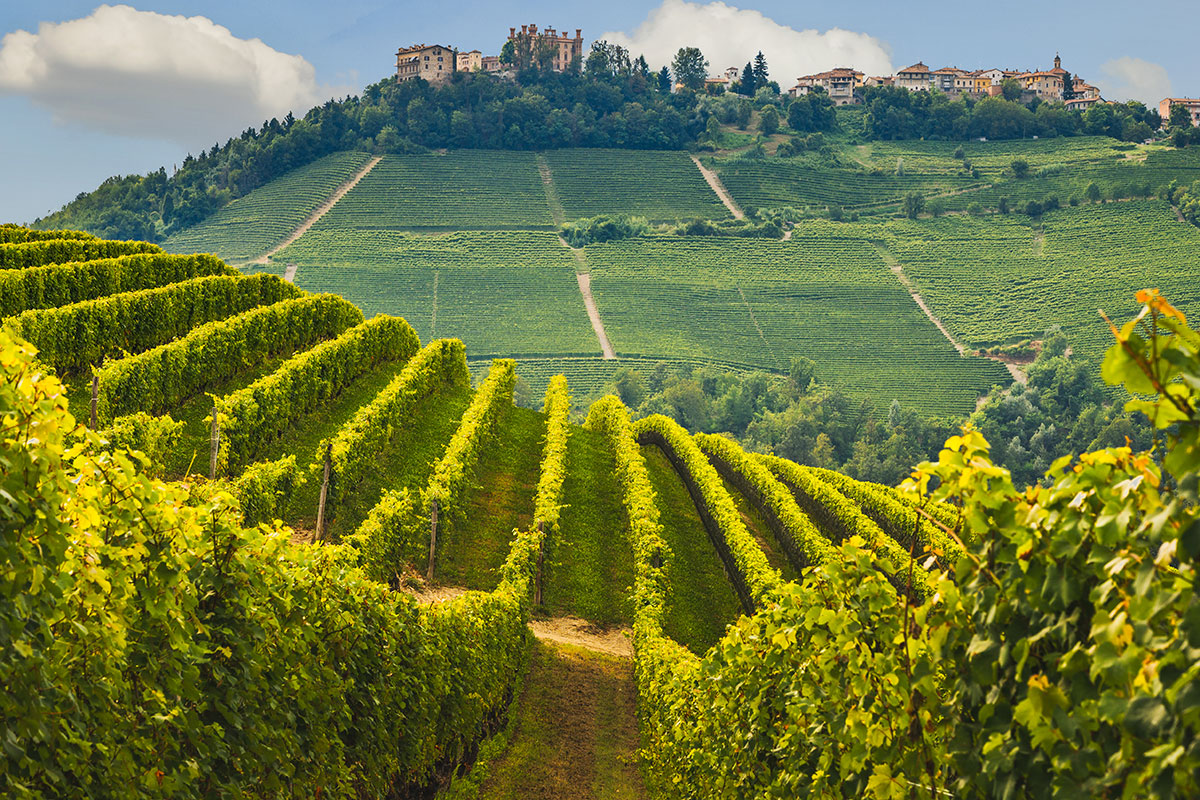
{"x": 746, "y": 84}
{"x": 664, "y": 80}
{"x": 1092, "y": 192}
{"x": 760, "y": 70}
{"x": 1179, "y": 117}
{"x": 914, "y": 204}
{"x": 769, "y": 121}
{"x": 690, "y": 67}
{"x": 1020, "y": 168}
{"x": 1010, "y": 89}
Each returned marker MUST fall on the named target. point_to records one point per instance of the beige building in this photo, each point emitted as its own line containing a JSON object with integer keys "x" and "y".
{"x": 469, "y": 62}
{"x": 433, "y": 62}
{"x": 1192, "y": 105}
{"x": 565, "y": 48}
{"x": 915, "y": 78}
{"x": 838, "y": 83}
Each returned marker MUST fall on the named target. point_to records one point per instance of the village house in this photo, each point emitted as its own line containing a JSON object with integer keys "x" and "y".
{"x": 433, "y": 62}
{"x": 915, "y": 78}
{"x": 565, "y": 48}
{"x": 838, "y": 83}
{"x": 1192, "y": 105}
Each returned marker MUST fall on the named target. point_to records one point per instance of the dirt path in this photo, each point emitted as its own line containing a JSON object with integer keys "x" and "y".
{"x": 320, "y": 211}
{"x": 585, "y": 288}
{"x": 552, "y": 199}
{"x": 581, "y": 633}
{"x": 787, "y": 235}
{"x": 289, "y": 274}
{"x": 573, "y": 732}
{"x": 898, "y": 270}
{"x": 1039, "y": 242}
{"x": 715, "y": 183}
{"x": 1178, "y": 214}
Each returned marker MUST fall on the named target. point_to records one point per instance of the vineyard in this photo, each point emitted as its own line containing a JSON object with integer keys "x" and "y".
{"x": 821, "y": 295}
{"x": 502, "y": 293}
{"x": 1058, "y": 272}
{"x": 660, "y": 186}
{"x": 462, "y": 190}
{"x": 251, "y": 225}
{"x": 344, "y": 605}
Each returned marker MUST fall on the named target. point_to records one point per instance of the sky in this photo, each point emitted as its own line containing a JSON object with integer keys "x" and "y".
{"x": 88, "y": 90}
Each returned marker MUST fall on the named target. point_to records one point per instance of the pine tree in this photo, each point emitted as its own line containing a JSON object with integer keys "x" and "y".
{"x": 664, "y": 80}
{"x": 760, "y": 70}
{"x": 747, "y": 85}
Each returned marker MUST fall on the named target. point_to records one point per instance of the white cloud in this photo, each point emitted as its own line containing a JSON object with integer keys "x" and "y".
{"x": 148, "y": 75}
{"x": 1129, "y": 78}
{"x": 729, "y": 36}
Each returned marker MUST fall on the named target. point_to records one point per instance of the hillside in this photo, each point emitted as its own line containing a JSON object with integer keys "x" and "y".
{"x": 346, "y": 606}
{"x": 460, "y": 244}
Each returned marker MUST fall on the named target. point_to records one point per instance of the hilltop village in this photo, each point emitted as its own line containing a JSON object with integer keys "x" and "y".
{"x": 558, "y": 51}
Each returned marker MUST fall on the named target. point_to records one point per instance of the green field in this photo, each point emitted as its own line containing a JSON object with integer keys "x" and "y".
{"x": 999, "y": 279}
{"x": 251, "y": 225}
{"x": 821, "y": 295}
{"x": 502, "y": 293}
{"x": 462, "y": 190}
{"x": 780, "y": 182}
{"x": 656, "y": 185}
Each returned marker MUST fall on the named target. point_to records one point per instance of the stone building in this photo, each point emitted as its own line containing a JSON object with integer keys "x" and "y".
{"x": 565, "y": 48}
{"x": 433, "y": 62}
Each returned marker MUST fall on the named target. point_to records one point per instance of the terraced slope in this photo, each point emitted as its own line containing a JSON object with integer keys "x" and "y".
{"x": 461, "y": 190}
{"x": 502, "y": 293}
{"x": 821, "y": 295}
{"x": 253, "y": 224}
{"x": 658, "y": 185}
{"x": 1001, "y": 279}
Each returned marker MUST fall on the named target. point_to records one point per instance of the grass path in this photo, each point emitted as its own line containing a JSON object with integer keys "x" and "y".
{"x": 589, "y": 564}
{"x": 572, "y": 734}
{"x": 472, "y": 549}
{"x": 701, "y": 601}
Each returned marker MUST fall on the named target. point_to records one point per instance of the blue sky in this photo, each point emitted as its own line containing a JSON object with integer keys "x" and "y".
{"x": 55, "y": 147}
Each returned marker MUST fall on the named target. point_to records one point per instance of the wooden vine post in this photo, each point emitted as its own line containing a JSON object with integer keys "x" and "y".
{"x": 433, "y": 509}
{"x": 537, "y": 585}
{"x": 320, "y": 535}
{"x": 95, "y": 398}
{"x": 214, "y": 442}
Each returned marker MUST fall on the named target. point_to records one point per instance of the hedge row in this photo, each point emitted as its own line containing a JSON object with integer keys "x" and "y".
{"x": 898, "y": 520}
{"x": 62, "y": 284}
{"x": 666, "y": 673}
{"x": 557, "y": 408}
{"x": 255, "y": 416}
{"x": 18, "y": 234}
{"x": 841, "y": 519}
{"x": 799, "y": 537}
{"x": 166, "y": 376}
{"x": 355, "y": 448}
{"x": 153, "y": 437}
{"x": 73, "y": 338}
{"x": 155, "y": 647}
{"x": 453, "y": 472}
{"x": 264, "y": 489}
{"x": 59, "y": 251}
{"x": 747, "y": 565}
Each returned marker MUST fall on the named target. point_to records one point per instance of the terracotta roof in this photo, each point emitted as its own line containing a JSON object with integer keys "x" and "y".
{"x": 917, "y": 67}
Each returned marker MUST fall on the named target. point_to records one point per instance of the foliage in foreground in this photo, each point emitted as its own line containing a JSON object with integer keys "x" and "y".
{"x": 152, "y": 647}
{"x": 1060, "y": 661}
